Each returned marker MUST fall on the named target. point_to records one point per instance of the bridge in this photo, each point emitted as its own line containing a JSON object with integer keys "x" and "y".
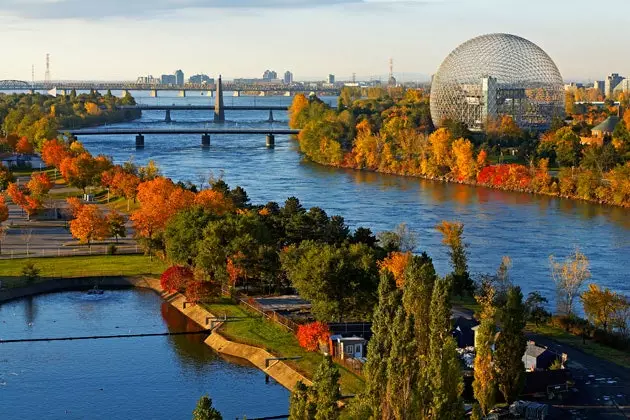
{"x": 139, "y": 132}
{"x": 260, "y": 88}
{"x": 169, "y": 108}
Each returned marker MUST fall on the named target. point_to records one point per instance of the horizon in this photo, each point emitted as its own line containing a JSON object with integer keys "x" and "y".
{"x": 117, "y": 41}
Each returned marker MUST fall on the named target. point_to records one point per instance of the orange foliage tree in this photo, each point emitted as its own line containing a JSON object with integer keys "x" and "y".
{"x": 310, "y": 335}
{"x": 39, "y": 184}
{"x": 121, "y": 183}
{"x": 175, "y": 278}
{"x": 19, "y": 196}
{"x": 396, "y": 263}
{"x": 54, "y": 152}
{"x": 89, "y": 225}
{"x": 214, "y": 201}
{"x": 83, "y": 170}
{"x": 4, "y": 210}
{"x": 24, "y": 146}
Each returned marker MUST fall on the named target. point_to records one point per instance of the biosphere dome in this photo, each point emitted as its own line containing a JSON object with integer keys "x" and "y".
{"x": 494, "y": 75}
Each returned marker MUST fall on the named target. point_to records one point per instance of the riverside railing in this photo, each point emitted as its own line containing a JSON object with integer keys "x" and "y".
{"x": 69, "y": 252}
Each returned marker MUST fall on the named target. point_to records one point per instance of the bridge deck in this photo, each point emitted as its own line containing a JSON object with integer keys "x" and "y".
{"x": 166, "y": 131}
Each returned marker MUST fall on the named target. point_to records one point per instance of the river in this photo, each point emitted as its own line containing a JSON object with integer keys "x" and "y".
{"x": 129, "y": 378}
{"x": 526, "y": 227}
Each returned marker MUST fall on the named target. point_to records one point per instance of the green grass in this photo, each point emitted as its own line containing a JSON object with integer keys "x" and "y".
{"x": 467, "y": 302}
{"x": 254, "y": 330}
{"x": 622, "y": 358}
{"x": 86, "y": 266}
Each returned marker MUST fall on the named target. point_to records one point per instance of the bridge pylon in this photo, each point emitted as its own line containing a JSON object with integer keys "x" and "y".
{"x": 219, "y": 111}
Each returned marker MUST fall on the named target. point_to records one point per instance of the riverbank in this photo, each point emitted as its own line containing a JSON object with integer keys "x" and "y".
{"x": 266, "y": 361}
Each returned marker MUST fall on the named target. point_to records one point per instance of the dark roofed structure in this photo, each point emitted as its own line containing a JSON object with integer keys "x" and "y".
{"x": 607, "y": 127}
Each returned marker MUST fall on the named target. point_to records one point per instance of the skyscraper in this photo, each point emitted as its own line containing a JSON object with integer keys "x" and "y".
{"x": 331, "y": 79}
{"x": 270, "y": 75}
{"x": 288, "y": 77}
{"x": 179, "y": 78}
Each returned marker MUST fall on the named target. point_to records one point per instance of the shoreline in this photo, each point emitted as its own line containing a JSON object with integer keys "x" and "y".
{"x": 258, "y": 357}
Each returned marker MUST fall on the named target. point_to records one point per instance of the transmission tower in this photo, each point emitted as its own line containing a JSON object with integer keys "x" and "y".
{"x": 392, "y": 79}
{"x": 32, "y": 75}
{"x": 47, "y": 75}
{"x": 354, "y": 77}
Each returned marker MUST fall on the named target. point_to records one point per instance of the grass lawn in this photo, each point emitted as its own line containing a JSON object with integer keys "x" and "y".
{"x": 619, "y": 357}
{"x": 256, "y": 331}
{"x": 86, "y": 266}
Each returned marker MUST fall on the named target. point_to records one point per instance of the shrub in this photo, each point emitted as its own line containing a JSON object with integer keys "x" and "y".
{"x": 30, "y": 272}
{"x": 175, "y": 278}
{"x": 310, "y": 335}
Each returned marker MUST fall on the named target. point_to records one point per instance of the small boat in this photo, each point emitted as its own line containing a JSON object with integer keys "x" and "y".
{"x": 95, "y": 291}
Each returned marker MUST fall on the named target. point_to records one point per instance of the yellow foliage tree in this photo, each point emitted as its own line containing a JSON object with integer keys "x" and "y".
{"x": 464, "y": 166}
{"x": 300, "y": 103}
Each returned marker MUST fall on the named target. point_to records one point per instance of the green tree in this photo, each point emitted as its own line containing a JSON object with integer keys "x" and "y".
{"x": 375, "y": 369}
{"x": 184, "y": 231}
{"x": 326, "y": 390}
{"x": 510, "y": 346}
{"x": 205, "y": 410}
{"x": 446, "y": 382}
{"x": 453, "y": 233}
{"x": 301, "y": 406}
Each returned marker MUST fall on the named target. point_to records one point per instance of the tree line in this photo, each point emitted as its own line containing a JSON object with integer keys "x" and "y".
{"x": 396, "y": 136}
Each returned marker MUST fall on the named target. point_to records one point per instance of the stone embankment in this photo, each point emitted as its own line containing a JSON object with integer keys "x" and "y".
{"x": 278, "y": 370}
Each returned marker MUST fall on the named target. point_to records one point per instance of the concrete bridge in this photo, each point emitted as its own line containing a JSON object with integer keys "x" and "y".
{"x": 169, "y": 108}
{"x": 139, "y": 132}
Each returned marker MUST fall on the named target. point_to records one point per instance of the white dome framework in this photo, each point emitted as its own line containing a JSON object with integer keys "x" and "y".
{"x": 494, "y": 75}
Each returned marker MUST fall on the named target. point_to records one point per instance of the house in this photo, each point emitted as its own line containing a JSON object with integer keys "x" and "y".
{"x": 606, "y": 128}
{"x": 540, "y": 357}
{"x": 464, "y": 331}
{"x": 347, "y": 347}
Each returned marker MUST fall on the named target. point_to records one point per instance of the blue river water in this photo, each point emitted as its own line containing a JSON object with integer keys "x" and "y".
{"x": 526, "y": 227}
{"x": 129, "y": 378}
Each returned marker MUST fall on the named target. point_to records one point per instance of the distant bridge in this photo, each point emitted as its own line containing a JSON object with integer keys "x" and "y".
{"x": 140, "y": 132}
{"x": 260, "y": 88}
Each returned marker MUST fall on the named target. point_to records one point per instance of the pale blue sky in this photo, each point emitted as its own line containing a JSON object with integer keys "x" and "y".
{"x": 122, "y": 39}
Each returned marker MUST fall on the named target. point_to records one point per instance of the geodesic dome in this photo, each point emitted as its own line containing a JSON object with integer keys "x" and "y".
{"x": 494, "y": 75}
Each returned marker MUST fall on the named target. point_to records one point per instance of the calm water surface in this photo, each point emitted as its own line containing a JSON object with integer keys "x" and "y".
{"x": 133, "y": 378}
{"x": 527, "y": 228}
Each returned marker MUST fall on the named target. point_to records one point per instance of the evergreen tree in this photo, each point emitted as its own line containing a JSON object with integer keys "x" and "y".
{"x": 443, "y": 365}
{"x": 205, "y": 410}
{"x": 402, "y": 369}
{"x": 326, "y": 390}
{"x": 301, "y": 406}
{"x": 511, "y": 344}
{"x": 375, "y": 369}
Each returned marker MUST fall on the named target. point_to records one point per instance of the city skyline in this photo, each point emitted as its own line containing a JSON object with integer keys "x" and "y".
{"x": 159, "y": 36}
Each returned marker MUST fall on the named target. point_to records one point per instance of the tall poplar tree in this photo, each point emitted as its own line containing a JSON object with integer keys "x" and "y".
{"x": 375, "y": 369}
{"x": 326, "y": 390}
{"x": 444, "y": 368}
{"x": 301, "y": 406}
{"x": 510, "y": 346}
{"x": 484, "y": 385}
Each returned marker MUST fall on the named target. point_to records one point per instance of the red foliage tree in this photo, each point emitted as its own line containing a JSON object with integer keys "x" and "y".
{"x": 24, "y": 146}
{"x": 175, "y": 278}
{"x": 310, "y": 335}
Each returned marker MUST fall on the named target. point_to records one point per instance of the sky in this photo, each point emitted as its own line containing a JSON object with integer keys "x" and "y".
{"x": 123, "y": 39}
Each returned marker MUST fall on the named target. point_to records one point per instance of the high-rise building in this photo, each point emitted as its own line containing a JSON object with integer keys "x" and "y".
{"x": 331, "y": 79}
{"x": 270, "y": 75}
{"x": 168, "y": 79}
{"x": 611, "y": 83}
{"x": 288, "y": 77}
{"x": 599, "y": 85}
{"x": 179, "y": 78}
{"x": 200, "y": 79}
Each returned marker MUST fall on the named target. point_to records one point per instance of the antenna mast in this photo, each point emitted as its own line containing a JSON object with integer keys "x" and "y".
{"x": 32, "y": 75}
{"x": 47, "y": 75}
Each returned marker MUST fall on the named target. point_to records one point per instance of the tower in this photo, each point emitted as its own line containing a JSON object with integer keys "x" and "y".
{"x": 219, "y": 112}
{"x": 47, "y": 75}
{"x": 392, "y": 80}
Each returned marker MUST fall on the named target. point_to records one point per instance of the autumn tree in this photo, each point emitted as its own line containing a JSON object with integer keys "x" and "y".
{"x": 569, "y": 276}
{"x": 89, "y": 225}
{"x": 6, "y": 177}
{"x": 396, "y": 263}
{"x": 600, "y": 306}
{"x": 298, "y": 107}
{"x": 464, "y": 166}
{"x": 440, "y": 159}
{"x": 510, "y": 346}
{"x": 83, "y": 170}
{"x": 175, "y": 278}
{"x": 54, "y": 152}
{"x": 20, "y": 196}
{"x": 39, "y": 185}
{"x": 4, "y": 216}
{"x": 484, "y": 385}
{"x": 74, "y": 204}
{"x": 24, "y": 147}
{"x": 310, "y": 335}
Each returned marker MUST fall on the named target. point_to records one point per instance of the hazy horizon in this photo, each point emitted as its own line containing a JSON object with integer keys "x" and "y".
{"x": 88, "y": 40}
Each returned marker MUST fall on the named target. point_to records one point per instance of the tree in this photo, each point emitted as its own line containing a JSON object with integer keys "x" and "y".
{"x": 6, "y": 177}
{"x": 4, "y": 216}
{"x": 600, "y": 306}
{"x": 24, "y": 147}
{"x": 326, "y": 390}
{"x": 396, "y": 263}
{"x": 310, "y": 335}
{"x": 534, "y": 305}
{"x": 31, "y": 205}
{"x": 83, "y": 170}
{"x": 54, "y": 152}
{"x": 75, "y": 204}
{"x": 39, "y": 185}
{"x": 464, "y": 166}
{"x": 400, "y": 239}
{"x": 175, "y": 278}
{"x": 569, "y": 277}
{"x": 89, "y": 225}
{"x": 484, "y": 385}
{"x": 510, "y": 346}
{"x": 205, "y": 410}
{"x": 301, "y": 406}
{"x": 116, "y": 225}
{"x": 452, "y": 237}
{"x": 446, "y": 382}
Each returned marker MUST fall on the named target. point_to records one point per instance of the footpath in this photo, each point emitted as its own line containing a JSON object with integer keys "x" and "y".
{"x": 260, "y": 358}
